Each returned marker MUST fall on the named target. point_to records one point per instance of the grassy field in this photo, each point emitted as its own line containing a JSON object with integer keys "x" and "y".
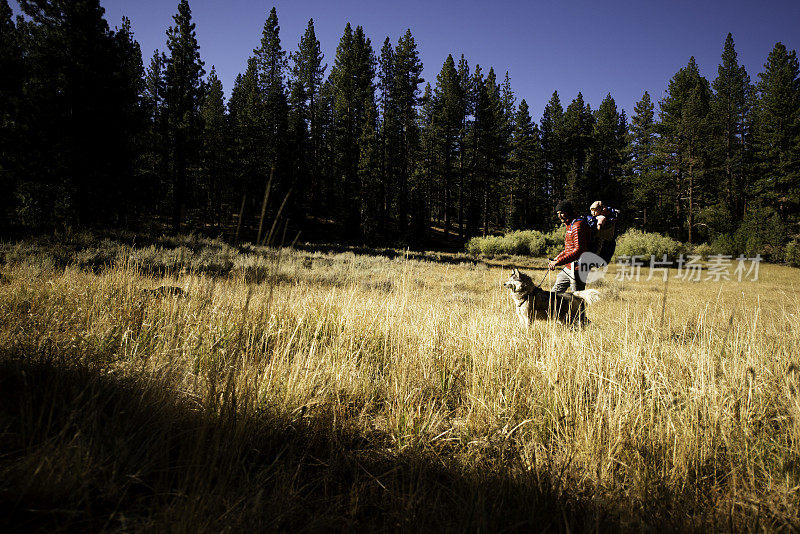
{"x": 309, "y": 391}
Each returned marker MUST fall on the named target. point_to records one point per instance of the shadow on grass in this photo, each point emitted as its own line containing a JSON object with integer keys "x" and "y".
{"x": 84, "y": 449}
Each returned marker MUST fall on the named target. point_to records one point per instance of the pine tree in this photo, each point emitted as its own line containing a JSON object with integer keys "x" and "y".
{"x": 11, "y": 147}
{"x": 155, "y": 165}
{"x": 251, "y": 163}
{"x": 307, "y": 76}
{"x": 352, "y": 87}
{"x": 505, "y": 133}
{"x": 645, "y": 186}
{"x": 277, "y": 179}
{"x": 464, "y": 79}
{"x": 326, "y": 152}
{"x": 10, "y": 65}
{"x": 554, "y": 150}
{"x": 578, "y": 127}
{"x": 606, "y": 160}
{"x": 683, "y": 143}
{"x": 527, "y": 187}
{"x": 477, "y": 166}
{"x": 272, "y": 63}
{"x": 427, "y": 172}
{"x": 730, "y": 117}
{"x": 388, "y": 131}
{"x": 777, "y": 132}
{"x": 82, "y": 89}
{"x": 131, "y": 124}
{"x": 407, "y": 77}
{"x": 297, "y": 150}
{"x": 369, "y": 172}
{"x": 489, "y": 146}
{"x": 449, "y": 116}
{"x": 183, "y": 76}
{"x": 215, "y": 161}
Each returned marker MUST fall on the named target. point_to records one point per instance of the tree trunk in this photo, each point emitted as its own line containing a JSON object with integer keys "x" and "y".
{"x": 179, "y": 191}
{"x": 691, "y": 200}
{"x": 485, "y": 210}
{"x": 447, "y": 189}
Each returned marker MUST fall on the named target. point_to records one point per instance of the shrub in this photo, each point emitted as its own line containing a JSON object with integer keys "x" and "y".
{"x": 637, "y": 243}
{"x": 554, "y": 250}
{"x": 512, "y": 243}
{"x": 716, "y": 219}
{"x": 527, "y": 242}
{"x": 213, "y": 261}
{"x": 792, "y": 254}
{"x": 95, "y": 257}
{"x": 556, "y": 236}
{"x": 555, "y": 241}
{"x": 761, "y": 232}
{"x": 703, "y": 250}
{"x": 520, "y": 242}
{"x": 492, "y": 246}
{"x": 473, "y": 246}
{"x": 724, "y": 244}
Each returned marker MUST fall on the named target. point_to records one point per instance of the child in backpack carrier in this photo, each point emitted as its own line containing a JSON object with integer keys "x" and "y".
{"x": 605, "y": 228}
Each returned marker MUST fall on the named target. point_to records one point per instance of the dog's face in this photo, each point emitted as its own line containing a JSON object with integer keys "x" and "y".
{"x": 519, "y": 282}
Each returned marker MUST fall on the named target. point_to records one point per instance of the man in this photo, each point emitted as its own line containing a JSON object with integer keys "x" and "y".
{"x": 606, "y": 220}
{"x": 576, "y": 242}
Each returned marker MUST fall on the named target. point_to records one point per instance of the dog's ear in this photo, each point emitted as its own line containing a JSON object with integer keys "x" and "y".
{"x": 514, "y": 271}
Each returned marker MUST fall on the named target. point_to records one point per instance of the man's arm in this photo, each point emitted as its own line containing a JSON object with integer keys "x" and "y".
{"x": 577, "y": 245}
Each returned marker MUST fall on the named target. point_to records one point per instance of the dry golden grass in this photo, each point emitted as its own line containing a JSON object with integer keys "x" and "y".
{"x": 358, "y": 392}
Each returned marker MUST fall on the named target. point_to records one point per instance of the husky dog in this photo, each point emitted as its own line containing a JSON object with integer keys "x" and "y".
{"x": 534, "y": 302}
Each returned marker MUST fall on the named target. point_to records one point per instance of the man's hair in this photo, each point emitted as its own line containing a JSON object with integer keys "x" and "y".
{"x": 596, "y": 205}
{"x": 565, "y": 206}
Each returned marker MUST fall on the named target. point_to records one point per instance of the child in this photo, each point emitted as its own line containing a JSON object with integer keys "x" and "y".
{"x": 606, "y": 223}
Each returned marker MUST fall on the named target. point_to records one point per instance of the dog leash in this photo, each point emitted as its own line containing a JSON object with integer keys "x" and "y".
{"x": 565, "y": 271}
{"x": 547, "y": 272}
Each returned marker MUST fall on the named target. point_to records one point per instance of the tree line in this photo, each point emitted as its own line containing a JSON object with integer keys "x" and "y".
{"x": 89, "y": 136}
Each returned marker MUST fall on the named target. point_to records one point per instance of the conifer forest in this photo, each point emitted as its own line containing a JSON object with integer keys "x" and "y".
{"x": 359, "y": 148}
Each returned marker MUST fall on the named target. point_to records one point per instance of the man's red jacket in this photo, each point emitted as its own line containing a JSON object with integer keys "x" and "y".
{"x": 576, "y": 242}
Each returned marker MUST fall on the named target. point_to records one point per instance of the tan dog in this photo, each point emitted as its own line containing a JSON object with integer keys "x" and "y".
{"x": 534, "y": 302}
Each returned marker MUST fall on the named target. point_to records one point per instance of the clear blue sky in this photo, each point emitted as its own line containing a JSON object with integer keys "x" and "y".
{"x": 596, "y": 47}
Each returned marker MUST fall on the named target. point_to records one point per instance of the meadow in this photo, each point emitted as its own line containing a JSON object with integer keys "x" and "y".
{"x": 301, "y": 390}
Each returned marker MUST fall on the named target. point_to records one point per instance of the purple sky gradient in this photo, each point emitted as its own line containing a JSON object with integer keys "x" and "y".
{"x": 618, "y": 47}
